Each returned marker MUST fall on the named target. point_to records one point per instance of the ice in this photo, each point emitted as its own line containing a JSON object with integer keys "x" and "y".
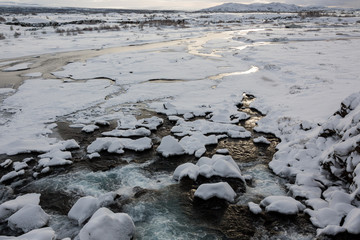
{"x": 28, "y": 218}
{"x": 282, "y": 204}
{"x": 117, "y": 145}
{"x": 254, "y": 208}
{"x": 170, "y": 146}
{"x": 84, "y": 209}
{"x": 220, "y": 190}
{"x": 108, "y": 225}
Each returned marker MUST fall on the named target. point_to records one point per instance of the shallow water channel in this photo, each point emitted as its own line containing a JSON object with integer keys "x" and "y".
{"x": 161, "y": 207}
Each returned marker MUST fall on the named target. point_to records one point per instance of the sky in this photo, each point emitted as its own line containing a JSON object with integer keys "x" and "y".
{"x": 176, "y": 4}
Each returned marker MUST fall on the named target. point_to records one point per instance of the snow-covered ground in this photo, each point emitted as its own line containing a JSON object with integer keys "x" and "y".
{"x": 194, "y": 68}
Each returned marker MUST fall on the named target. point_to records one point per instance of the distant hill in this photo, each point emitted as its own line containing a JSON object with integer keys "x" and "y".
{"x": 260, "y": 7}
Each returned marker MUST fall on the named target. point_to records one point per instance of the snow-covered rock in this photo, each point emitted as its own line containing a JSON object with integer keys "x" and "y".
{"x": 39, "y": 234}
{"x": 83, "y": 209}
{"x": 11, "y": 175}
{"x": 352, "y": 221}
{"x": 117, "y": 145}
{"x": 139, "y": 132}
{"x": 220, "y": 190}
{"x": 254, "y": 208}
{"x": 282, "y": 204}
{"x": 28, "y": 218}
{"x": 324, "y": 217}
{"x": 90, "y": 128}
{"x": 10, "y": 207}
{"x": 6, "y": 163}
{"x": 151, "y": 123}
{"x": 218, "y": 165}
{"x": 170, "y": 146}
{"x": 108, "y": 225}
{"x": 262, "y": 140}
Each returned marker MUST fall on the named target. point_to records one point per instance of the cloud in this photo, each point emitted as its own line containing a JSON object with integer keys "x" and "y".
{"x": 179, "y": 5}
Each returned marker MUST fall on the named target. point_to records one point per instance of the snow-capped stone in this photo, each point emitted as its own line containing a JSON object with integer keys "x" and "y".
{"x": 11, "y": 175}
{"x": 220, "y": 190}
{"x": 330, "y": 230}
{"x": 282, "y": 204}
{"x": 83, "y": 209}
{"x": 195, "y": 144}
{"x": 262, "y": 140}
{"x": 352, "y": 221}
{"x": 254, "y": 208}
{"x": 151, "y": 123}
{"x": 139, "y": 132}
{"x": 19, "y": 165}
{"x": 170, "y": 146}
{"x": 39, "y": 234}
{"x": 69, "y": 144}
{"x": 93, "y": 155}
{"x": 28, "y": 218}
{"x": 222, "y": 151}
{"x": 108, "y": 225}
{"x": 10, "y": 207}
{"x": 90, "y": 128}
{"x": 117, "y": 145}
{"x": 218, "y": 165}
{"x": 6, "y": 163}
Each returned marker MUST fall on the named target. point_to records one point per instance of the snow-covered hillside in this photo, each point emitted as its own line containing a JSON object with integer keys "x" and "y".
{"x": 260, "y": 7}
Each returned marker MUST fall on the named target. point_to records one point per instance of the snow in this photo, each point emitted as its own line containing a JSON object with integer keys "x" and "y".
{"x": 352, "y": 221}
{"x": 28, "y": 218}
{"x": 19, "y": 165}
{"x": 17, "y": 67}
{"x": 282, "y": 204}
{"x": 139, "y": 132}
{"x": 117, "y": 145}
{"x": 39, "y": 234}
{"x": 218, "y": 165}
{"x": 199, "y": 73}
{"x": 89, "y": 128}
{"x": 262, "y": 140}
{"x": 6, "y": 163}
{"x": 10, "y": 207}
{"x": 11, "y": 175}
{"x": 170, "y": 146}
{"x": 220, "y": 190}
{"x": 105, "y": 224}
{"x": 83, "y": 209}
{"x": 254, "y": 208}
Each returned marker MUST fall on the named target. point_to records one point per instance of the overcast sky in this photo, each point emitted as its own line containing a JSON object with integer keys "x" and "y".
{"x": 175, "y": 4}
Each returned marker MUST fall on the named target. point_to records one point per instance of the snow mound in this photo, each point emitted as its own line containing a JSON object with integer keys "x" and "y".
{"x": 254, "y": 208}
{"x": 262, "y": 140}
{"x": 282, "y": 204}
{"x": 108, "y": 225}
{"x": 139, "y": 132}
{"x": 83, "y": 209}
{"x": 183, "y": 128}
{"x": 195, "y": 144}
{"x": 352, "y": 221}
{"x": 151, "y": 123}
{"x": 117, "y": 145}
{"x": 28, "y": 218}
{"x": 170, "y": 146}
{"x": 39, "y": 234}
{"x": 218, "y": 165}
{"x": 10, "y": 207}
{"x": 90, "y": 128}
{"x": 11, "y": 175}
{"x": 220, "y": 190}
